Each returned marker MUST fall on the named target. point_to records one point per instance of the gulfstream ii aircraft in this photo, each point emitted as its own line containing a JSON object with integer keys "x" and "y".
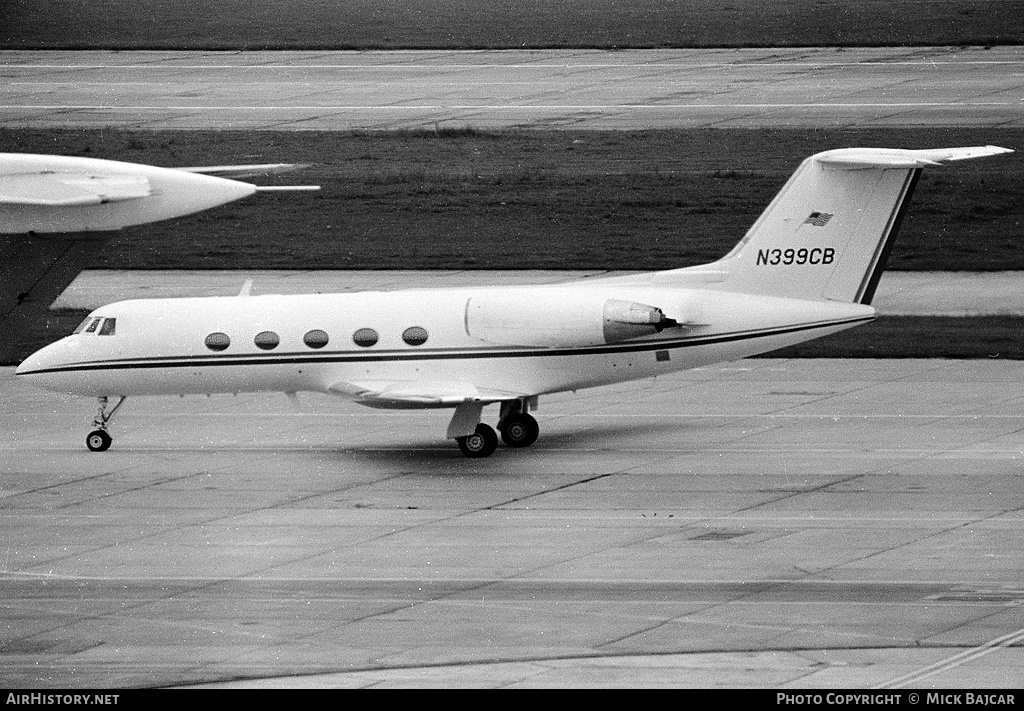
{"x": 808, "y": 267}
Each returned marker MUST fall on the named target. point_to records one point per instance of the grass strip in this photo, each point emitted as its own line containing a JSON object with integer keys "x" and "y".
{"x": 484, "y": 24}
{"x": 466, "y": 199}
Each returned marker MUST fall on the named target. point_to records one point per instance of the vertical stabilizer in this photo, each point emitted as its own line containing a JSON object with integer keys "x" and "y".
{"x": 828, "y": 233}
{"x": 34, "y": 271}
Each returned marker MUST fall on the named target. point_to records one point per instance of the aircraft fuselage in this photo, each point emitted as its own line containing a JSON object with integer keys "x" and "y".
{"x": 533, "y": 340}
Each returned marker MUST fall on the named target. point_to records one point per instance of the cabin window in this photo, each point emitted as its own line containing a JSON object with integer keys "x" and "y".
{"x": 415, "y": 336}
{"x": 316, "y": 338}
{"x": 218, "y": 341}
{"x": 266, "y": 340}
{"x": 92, "y": 326}
{"x": 365, "y": 337}
{"x": 108, "y": 327}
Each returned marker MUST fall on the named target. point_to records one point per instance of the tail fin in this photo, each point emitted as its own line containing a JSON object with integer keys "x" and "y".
{"x": 828, "y": 233}
{"x": 34, "y": 270}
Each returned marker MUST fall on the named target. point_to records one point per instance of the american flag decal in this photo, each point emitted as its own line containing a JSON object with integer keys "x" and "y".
{"x": 818, "y": 219}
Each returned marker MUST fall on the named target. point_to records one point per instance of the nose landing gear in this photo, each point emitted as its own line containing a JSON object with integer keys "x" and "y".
{"x": 99, "y": 440}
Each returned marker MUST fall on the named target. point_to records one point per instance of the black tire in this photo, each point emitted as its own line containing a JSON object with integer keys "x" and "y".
{"x": 519, "y": 430}
{"x": 98, "y": 441}
{"x": 481, "y": 443}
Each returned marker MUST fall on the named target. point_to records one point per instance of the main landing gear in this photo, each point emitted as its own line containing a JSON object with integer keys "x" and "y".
{"x": 99, "y": 440}
{"x": 518, "y": 428}
{"x": 481, "y": 443}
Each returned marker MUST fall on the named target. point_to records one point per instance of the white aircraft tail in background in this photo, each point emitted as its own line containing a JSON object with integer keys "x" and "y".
{"x": 57, "y": 212}
{"x": 807, "y": 268}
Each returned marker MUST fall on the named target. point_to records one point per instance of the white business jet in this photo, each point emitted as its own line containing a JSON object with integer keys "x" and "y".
{"x": 56, "y": 212}
{"x": 808, "y": 267}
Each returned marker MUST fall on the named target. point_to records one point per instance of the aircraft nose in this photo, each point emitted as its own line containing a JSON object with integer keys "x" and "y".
{"x": 41, "y": 367}
{"x": 32, "y": 364}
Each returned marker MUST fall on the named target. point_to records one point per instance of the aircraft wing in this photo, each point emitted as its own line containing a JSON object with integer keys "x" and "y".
{"x": 411, "y": 394}
{"x": 66, "y": 189}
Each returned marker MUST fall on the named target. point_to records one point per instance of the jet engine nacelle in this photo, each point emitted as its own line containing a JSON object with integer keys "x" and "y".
{"x": 551, "y": 318}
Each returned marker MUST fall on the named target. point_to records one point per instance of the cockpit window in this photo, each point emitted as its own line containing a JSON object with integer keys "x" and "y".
{"x": 92, "y": 323}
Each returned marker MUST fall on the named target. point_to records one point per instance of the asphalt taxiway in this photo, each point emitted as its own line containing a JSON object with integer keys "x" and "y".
{"x": 591, "y": 89}
{"x": 767, "y": 523}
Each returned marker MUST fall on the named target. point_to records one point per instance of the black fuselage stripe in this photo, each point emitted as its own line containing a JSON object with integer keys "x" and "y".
{"x": 352, "y": 357}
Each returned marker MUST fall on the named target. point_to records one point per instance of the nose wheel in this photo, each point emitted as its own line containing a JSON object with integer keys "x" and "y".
{"x": 99, "y": 440}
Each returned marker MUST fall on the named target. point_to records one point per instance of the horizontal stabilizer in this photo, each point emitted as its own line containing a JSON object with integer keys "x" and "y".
{"x": 68, "y": 189}
{"x": 410, "y": 394}
{"x": 861, "y": 158}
